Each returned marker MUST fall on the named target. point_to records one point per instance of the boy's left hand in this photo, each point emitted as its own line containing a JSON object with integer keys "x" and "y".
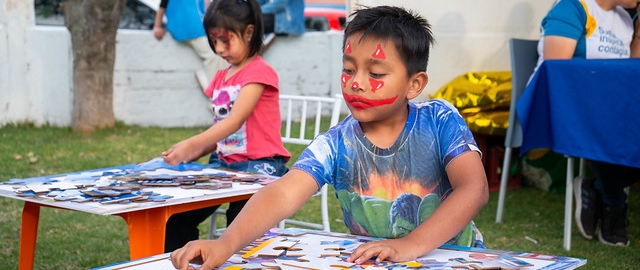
{"x": 395, "y": 250}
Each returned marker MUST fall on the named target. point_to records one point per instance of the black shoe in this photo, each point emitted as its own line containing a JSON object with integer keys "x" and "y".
{"x": 587, "y": 206}
{"x": 613, "y": 230}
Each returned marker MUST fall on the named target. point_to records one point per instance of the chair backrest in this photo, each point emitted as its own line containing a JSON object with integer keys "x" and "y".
{"x": 524, "y": 57}
{"x": 297, "y": 110}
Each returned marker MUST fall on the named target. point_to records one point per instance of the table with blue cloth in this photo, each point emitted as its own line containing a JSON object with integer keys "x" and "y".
{"x": 585, "y": 109}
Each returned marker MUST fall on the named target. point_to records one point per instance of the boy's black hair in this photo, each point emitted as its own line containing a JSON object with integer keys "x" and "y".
{"x": 235, "y": 16}
{"x": 410, "y": 33}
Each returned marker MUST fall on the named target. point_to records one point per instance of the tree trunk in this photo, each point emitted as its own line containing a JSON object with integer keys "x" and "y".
{"x": 93, "y": 25}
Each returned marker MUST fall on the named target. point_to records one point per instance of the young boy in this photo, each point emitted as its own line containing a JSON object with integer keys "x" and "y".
{"x": 410, "y": 172}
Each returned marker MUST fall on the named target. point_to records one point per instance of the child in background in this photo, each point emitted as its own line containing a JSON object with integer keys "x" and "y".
{"x": 245, "y": 134}
{"x": 410, "y": 172}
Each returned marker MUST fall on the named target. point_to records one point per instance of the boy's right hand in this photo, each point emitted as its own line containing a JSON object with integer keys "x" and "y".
{"x": 208, "y": 253}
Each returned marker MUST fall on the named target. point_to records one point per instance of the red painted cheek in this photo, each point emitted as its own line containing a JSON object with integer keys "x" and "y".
{"x": 345, "y": 78}
{"x": 379, "y": 53}
{"x": 376, "y": 85}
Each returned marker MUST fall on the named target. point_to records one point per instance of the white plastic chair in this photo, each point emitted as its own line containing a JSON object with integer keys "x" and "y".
{"x": 299, "y": 108}
{"x": 301, "y": 111}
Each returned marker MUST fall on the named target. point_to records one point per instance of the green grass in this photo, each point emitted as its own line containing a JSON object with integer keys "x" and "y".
{"x": 75, "y": 240}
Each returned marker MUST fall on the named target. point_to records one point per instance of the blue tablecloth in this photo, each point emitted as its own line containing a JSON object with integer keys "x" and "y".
{"x": 584, "y": 108}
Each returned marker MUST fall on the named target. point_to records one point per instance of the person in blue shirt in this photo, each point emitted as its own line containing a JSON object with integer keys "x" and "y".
{"x": 184, "y": 22}
{"x": 407, "y": 171}
{"x": 592, "y": 29}
{"x": 283, "y": 17}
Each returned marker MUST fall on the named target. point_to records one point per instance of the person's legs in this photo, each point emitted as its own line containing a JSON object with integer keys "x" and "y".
{"x": 210, "y": 61}
{"x": 587, "y": 206}
{"x": 269, "y": 30}
{"x": 269, "y": 20}
{"x": 611, "y": 181}
{"x": 267, "y": 166}
{"x": 183, "y": 227}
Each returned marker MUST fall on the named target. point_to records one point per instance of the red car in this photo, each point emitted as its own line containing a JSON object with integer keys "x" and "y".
{"x": 324, "y": 18}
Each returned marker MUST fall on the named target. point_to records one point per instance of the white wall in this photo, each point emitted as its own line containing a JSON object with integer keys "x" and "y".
{"x": 154, "y": 82}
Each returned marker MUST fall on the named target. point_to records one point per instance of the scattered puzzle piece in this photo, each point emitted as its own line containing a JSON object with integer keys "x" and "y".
{"x": 273, "y": 247}
{"x": 309, "y": 262}
{"x": 314, "y": 250}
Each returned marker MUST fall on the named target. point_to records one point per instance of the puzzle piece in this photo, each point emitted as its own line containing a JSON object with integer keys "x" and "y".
{"x": 212, "y": 185}
{"x": 273, "y": 247}
{"x": 309, "y": 262}
{"x": 303, "y": 249}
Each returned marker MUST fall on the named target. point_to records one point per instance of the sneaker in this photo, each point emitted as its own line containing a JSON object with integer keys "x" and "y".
{"x": 267, "y": 41}
{"x": 587, "y": 206}
{"x": 613, "y": 230}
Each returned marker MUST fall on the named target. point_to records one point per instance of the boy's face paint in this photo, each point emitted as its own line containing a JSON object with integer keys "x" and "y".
{"x": 378, "y": 53}
{"x": 345, "y": 78}
{"x": 361, "y": 103}
{"x": 376, "y": 85}
{"x": 347, "y": 48}
{"x": 374, "y": 78}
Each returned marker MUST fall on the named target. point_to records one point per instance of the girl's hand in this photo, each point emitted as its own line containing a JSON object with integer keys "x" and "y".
{"x": 395, "y": 250}
{"x": 182, "y": 152}
{"x": 208, "y": 253}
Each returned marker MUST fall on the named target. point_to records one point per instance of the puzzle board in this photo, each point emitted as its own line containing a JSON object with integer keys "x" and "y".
{"x": 299, "y": 249}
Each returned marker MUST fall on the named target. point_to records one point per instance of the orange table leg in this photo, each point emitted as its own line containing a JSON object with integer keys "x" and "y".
{"x": 146, "y": 231}
{"x": 28, "y": 234}
{"x": 147, "y": 227}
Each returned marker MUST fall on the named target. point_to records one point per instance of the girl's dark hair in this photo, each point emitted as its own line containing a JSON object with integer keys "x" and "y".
{"x": 410, "y": 33}
{"x": 235, "y": 16}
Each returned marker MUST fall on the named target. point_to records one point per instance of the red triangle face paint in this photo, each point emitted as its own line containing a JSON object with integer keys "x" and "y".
{"x": 345, "y": 78}
{"x": 347, "y": 48}
{"x": 379, "y": 53}
{"x": 375, "y": 85}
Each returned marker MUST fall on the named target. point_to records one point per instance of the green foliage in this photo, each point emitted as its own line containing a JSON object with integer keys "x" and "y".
{"x": 75, "y": 240}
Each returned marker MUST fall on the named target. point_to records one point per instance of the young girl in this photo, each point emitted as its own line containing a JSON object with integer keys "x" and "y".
{"x": 245, "y": 134}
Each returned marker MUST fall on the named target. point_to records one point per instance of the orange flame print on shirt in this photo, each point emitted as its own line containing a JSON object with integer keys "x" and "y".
{"x": 389, "y": 187}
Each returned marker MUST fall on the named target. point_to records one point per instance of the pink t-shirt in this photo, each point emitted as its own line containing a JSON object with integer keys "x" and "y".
{"x": 259, "y": 137}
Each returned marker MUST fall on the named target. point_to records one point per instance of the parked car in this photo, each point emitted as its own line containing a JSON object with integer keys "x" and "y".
{"x": 138, "y": 14}
{"x": 319, "y": 18}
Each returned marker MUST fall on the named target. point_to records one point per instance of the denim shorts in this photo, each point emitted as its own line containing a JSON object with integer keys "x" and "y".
{"x": 275, "y": 166}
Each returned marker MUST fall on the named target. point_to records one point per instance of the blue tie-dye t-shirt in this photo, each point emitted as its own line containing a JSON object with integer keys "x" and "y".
{"x": 387, "y": 192}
